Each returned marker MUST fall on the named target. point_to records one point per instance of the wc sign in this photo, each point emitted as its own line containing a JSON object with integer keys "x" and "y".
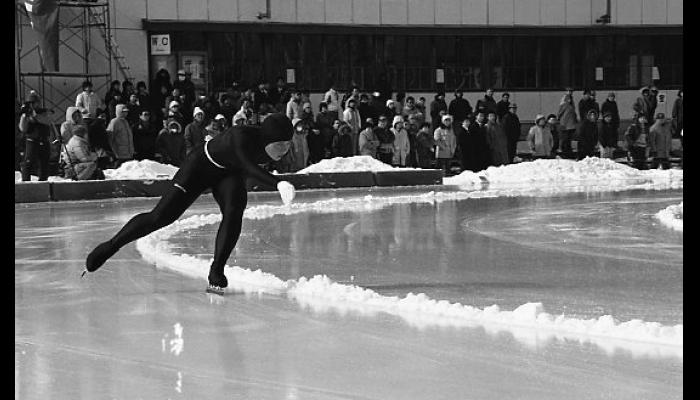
{"x": 160, "y": 45}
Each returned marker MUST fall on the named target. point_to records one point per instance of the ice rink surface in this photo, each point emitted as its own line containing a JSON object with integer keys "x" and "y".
{"x": 134, "y": 331}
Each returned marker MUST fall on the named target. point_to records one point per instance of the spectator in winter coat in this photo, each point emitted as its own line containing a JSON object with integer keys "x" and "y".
{"x": 365, "y": 109}
{"x": 610, "y": 106}
{"x": 368, "y": 142}
{"x": 324, "y": 123}
{"x": 446, "y": 142}
{"x": 114, "y": 88}
{"x": 300, "y": 147}
{"x": 540, "y": 138}
{"x": 459, "y": 108}
{"x": 74, "y": 118}
{"x": 637, "y": 139}
{"x": 127, "y": 89}
{"x": 588, "y": 135}
{"x": 411, "y": 111}
{"x": 342, "y": 142}
{"x": 214, "y": 129}
{"x": 553, "y": 125}
{"x": 293, "y": 110}
{"x": 195, "y": 132}
{"x": 170, "y": 144}
{"x": 390, "y": 109}
{"x": 121, "y": 138}
{"x": 586, "y": 104}
{"x": 332, "y": 99}
{"x": 134, "y": 110}
{"x": 497, "y": 141}
{"x": 660, "y": 142}
{"x": 145, "y": 135}
{"x": 653, "y": 100}
{"x": 568, "y": 123}
{"x": 143, "y": 96}
{"x": 412, "y": 126}
{"x": 88, "y": 100}
{"x": 502, "y": 106}
{"x": 385, "y": 151}
{"x": 643, "y": 104}
{"x": 316, "y": 146}
{"x": 307, "y": 115}
{"x": 487, "y": 103}
{"x": 353, "y": 94}
{"x": 112, "y": 105}
{"x": 35, "y": 124}
{"x": 677, "y": 114}
{"x": 99, "y": 141}
{"x": 436, "y": 106}
{"x": 401, "y": 143}
{"x": 82, "y": 161}
{"x": 608, "y": 135}
{"x": 425, "y": 146}
{"x": 245, "y": 114}
{"x": 227, "y": 109}
{"x": 420, "y": 105}
{"x": 511, "y": 125}
{"x": 186, "y": 86}
{"x": 472, "y": 141}
{"x": 352, "y": 117}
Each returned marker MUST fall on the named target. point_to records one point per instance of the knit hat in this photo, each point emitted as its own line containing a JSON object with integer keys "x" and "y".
{"x": 390, "y": 103}
{"x": 173, "y": 103}
{"x": 196, "y": 111}
{"x": 538, "y": 118}
{"x": 219, "y": 116}
{"x": 295, "y": 121}
{"x": 174, "y": 122}
{"x": 446, "y": 117}
{"x": 276, "y": 128}
{"x": 33, "y": 96}
{"x": 397, "y": 119}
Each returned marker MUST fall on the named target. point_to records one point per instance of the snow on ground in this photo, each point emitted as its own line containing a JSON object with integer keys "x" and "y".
{"x": 34, "y": 178}
{"x": 351, "y": 164}
{"x": 545, "y": 172}
{"x": 529, "y": 323}
{"x": 145, "y": 169}
{"x": 672, "y": 216}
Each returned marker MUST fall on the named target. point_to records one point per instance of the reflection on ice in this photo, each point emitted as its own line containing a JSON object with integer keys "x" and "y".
{"x": 529, "y": 323}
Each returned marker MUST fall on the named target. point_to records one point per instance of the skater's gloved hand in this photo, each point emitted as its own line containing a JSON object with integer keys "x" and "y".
{"x": 287, "y": 192}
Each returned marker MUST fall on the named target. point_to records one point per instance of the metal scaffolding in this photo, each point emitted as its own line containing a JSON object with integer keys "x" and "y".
{"x": 79, "y": 20}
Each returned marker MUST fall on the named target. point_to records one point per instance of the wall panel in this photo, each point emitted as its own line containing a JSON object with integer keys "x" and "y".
{"x": 311, "y": 11}
{"x": 474, "y": 12}
{"x": 553, "y": 12}
{"x": 162, "y": 9}
{"x": 338, "y": 12}
{"x": 578, "y": 12}
{"x": 629, "y": 12}
{"x": 501, "y": 12}
{"x": 448, "y": 12}
{"x": 527, "y": 12}
{"x": 422, "y": 12}
{"x": 365, "y": 12}
{"x": 394, "y": 12}
{"x": 654, "y": 12}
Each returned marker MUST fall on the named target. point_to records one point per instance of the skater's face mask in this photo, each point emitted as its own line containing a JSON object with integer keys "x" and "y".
{"x": 277, "y": 149}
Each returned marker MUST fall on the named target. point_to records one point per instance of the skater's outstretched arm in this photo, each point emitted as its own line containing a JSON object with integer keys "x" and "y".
{"x": 250, "y": 168}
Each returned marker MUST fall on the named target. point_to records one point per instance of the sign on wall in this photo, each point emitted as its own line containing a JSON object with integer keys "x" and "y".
{"x": 160, "y": 45}
{"x": 290, "y": 75}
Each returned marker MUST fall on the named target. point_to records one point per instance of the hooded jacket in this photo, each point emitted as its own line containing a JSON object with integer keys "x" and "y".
{"x": 637, "y": 135}
{"x": 121, "y": 139}
{"x": 242, "y": 148}
{"x": 643, "y": 105}
{"x": 446, "y": 140}
{"x": 401, "y": 143}
{"x": 195, "y": 132}
{"x": 540, "y": 139}
{"x": 660, "y": 138}
{"x": 68, "y": 125}
{"x": 171, "y": 146}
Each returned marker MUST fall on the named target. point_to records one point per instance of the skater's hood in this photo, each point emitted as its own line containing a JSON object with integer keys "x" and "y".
{"x": 70, "y": 111}
{"x": 276, "y": 128}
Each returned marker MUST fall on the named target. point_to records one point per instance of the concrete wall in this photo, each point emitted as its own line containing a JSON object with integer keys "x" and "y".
{"x": 414, "y": 12}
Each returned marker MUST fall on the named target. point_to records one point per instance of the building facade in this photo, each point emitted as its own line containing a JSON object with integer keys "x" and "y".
{"x": 530, "y": 48}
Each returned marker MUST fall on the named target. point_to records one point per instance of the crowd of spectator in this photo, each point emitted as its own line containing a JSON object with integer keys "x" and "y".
{"x": 166, "y": 120}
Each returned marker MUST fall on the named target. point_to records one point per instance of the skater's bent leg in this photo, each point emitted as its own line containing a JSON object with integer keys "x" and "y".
{"x": 168, "y": 209}
{"x": 232, "y": 198}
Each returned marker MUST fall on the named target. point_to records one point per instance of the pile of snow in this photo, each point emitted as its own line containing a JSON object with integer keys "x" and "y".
{"x": 672, "y": 216}
{"x": 350, "y": 164}
{"x": 545, "y": 172}
{"x": 529, "y": 322}
{"x": 144, "y": 169}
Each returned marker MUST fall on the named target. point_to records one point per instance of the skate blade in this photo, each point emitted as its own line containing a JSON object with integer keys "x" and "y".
{"x": 215, "y": 290}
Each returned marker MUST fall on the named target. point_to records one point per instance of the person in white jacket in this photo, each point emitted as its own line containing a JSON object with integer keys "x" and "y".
{"x": 88, "y": 100}
{"x": 352, "y": 117}
{"x": 83, "y": 162}
{"x": 540, "y": 138}
{"x": 446, "y": 142}
{"x": 401, "y": 144}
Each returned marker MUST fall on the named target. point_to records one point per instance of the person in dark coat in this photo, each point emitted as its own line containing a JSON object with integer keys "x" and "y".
{"x": 511, "y": 125}
{"x": 34, "y": 124}
{"x": 459, "y": 108}
{"x": 487, "y": 103}
{"x": 222, "y": 164}
{"x": 586, "y": 104}
{"x": 145, "y": 135}
{"x": 608, "y": 135}
{"x": 677, "y": 115}
{"x": 588, "y": 135}
{"x": 437, "y": 105}
{"x": 385, "y": 151}
{"x": 660, "y": 142}
{"x": 610, "y": 106}
{"x": 342, "y": 142}
{"x": 195, "y": 132}
{"x": 637, "y": 138}
{"x": 114, "y": 88}
{"x": 496, "y": 141}
{"x": 365, "y": 109}
{"x": 503, "y": 106}
{"x": 324, "y": 123}
{"x": 186, "y": 86}
{"x": 553, "y": 125}
{"x": 471, "y": 139}
{"x": 425, "y": 146}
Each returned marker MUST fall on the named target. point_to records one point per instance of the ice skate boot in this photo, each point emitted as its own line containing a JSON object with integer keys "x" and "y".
{"x": 99, "y": 256}
{"x": 217, "y": 283}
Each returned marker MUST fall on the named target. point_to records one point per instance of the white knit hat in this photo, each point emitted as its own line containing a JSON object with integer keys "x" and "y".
{"x": 173, "y": 103}
{"x": 196, "y": 111}
{"x": 397, "y": 119}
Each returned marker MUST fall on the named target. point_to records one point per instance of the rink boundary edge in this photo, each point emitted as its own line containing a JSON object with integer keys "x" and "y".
{"x": 34, "y": 192}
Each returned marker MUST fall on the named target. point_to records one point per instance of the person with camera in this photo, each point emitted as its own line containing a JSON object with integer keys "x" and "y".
{"x": 34, "y": 124}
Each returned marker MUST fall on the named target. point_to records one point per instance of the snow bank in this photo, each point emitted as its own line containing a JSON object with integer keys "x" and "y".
{"x": 350, "y": 164}
{"x": 145, "y": 169}
{"x": 672, "y": 216}
{"x": 529, "y": 322}
{"x": 34, "y": 178}
{"x": 543, "y": 172}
